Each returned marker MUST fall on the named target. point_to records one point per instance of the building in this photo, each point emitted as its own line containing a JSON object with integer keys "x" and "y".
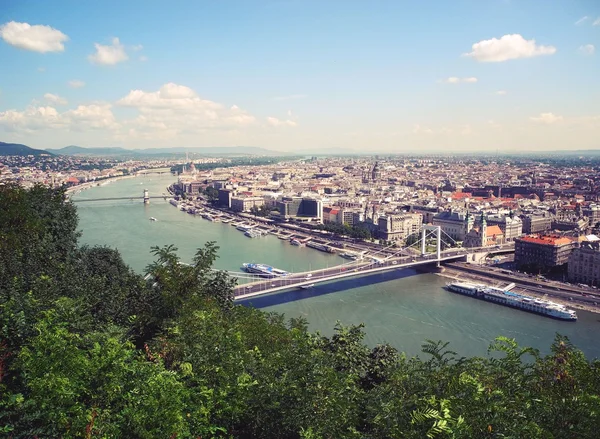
{"x": 536, "y": 224}
{"x": 350, "y": 216}
{"x": 225, "y": 196}
{"x": 300, "y": 208}
{"x": 584, "y": 263}
{"x": 543, "y": 252}
{"x": 592, "y": 213}
{"x": 245, "y": 204}
{"x": 454, "y": 224}
{"x": 483, "y": 235}
{"x": 397, "y": 227}
{"x": 510, "y": 225}
{"x": 330, "y": 215}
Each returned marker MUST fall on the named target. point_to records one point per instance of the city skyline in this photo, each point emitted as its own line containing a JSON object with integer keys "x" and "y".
{"x": 302, "y": 75}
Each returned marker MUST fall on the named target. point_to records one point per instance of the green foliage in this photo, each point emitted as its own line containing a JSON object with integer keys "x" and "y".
{"x": 356, "y": 231}
{"x": 89, "y": 348}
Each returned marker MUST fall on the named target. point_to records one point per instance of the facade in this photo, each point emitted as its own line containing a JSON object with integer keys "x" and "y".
{"x": 244, "y": 204}
{"x": 584, "y": 263}
{"x": 330, "y": 215}
{"x": 454, "y": 224}
{"x": 543, "y": 251}
{"x": 428, "y": 213}
{"x": 298, "y": 207}
{"x": 397, "y": 227}
{"x": 225, "y": 196}
{"x": 536, "y": 224}
{"x": 592, "y": 213}
{"x": 511, "y": 226}
{"x": 350, "y": 217}
{"x": 484, "y": 235}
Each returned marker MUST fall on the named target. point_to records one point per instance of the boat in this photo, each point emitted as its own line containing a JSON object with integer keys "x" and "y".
{"x": 252, "y": 233}
{"x": 306, "y": 287}
{"x": 317, "y": 246}
{"x": 153, "y": 219}
{"x": 348, "y": 255}
{"x": 263, "y": 270}
{"x": 513, "y": 300}
{"x": 296, "y": 242}
{"x": 243, "y": 227}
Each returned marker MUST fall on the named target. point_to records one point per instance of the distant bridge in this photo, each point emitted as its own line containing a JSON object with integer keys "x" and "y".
{"x": 145, "y": 198}
{"x": 164, "y": 197}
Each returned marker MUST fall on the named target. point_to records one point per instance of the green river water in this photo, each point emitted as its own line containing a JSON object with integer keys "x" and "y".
{"x": 403, "y": 308}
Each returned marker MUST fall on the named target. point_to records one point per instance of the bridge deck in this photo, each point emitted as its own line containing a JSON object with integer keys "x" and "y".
{"x": 324, "y": 275}
{"x": 121, "y": 198}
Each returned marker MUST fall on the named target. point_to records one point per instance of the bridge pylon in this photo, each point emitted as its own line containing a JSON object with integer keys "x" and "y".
{"x": 438, "y": 240}
{"x": 146, "y": 197}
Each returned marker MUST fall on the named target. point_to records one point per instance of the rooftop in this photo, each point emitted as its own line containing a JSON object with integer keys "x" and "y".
{"x": 546, "y": 239}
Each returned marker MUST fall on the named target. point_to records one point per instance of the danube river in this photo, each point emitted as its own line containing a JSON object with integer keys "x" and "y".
{"x": 402, "y": 308}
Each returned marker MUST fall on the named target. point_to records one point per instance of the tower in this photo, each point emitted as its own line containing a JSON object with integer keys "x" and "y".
{"x": 483, "y": 230}
{"x": 468, "y": 223}
{"x": 375, "y": 173}
{"x": 146, "y": 197}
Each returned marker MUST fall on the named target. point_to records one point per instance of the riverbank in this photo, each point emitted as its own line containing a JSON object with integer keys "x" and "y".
{"x": 89, "y": 184}
{"x": 450, "y": 273}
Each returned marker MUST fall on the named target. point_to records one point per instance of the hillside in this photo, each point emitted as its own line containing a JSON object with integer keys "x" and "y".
{"x": 179, "y": 151}
{"x": 19, "y": 149}
{"x": 81, "y": 151}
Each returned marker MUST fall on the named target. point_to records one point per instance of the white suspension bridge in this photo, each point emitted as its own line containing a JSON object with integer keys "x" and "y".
{"x": 385, "y": 259}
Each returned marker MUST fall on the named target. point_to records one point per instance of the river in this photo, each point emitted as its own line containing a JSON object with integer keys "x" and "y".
{"x": 402, "y": 308}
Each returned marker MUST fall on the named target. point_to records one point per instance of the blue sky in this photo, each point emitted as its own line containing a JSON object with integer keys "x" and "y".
{"x": 397, "y": 76}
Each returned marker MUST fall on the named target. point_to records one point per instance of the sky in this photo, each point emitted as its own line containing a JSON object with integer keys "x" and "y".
{"x": 301, "y": 75}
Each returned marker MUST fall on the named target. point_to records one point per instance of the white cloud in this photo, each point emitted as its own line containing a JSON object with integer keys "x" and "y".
{"x": 547, "y": 118}
{"x": 176, "y": 109}
{"x": 501, "y": 92}
{"x": 143, "y": 58}
{"x": 587, "y": 49}
{"x": 83, "y": 118}
{"x": 76, "y": 83}
{"x": 418, "y": 129}
{"x": 41, "y": 69}
{"x": 506, "y": 48}
{"x": 137, "y": 47}
{"x": 597, "y": 22}
{"x": 55, "y": 99}
{"x": 493, "y": 124}
{"x": 37, "y": 38}
{"x": 581, "y": 20}
{"x": 466, "y": 130}
{"x": 273, "y": 121}
{"x": 93, "y": 116}
{"x": 289, "y": 97}
{"x": 109, "y": 55}
{"x": 31, "y": 119}
{"x": 456, "y": 80}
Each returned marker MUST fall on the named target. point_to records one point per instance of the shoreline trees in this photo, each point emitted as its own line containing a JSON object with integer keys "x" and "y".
{"x": 88, "y": 348}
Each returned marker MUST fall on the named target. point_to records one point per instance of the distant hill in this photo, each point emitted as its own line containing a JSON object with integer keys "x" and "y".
{"x": 79, "y": 150}
{"x": 18, "y": 149}
{"x": 179, "y": 151}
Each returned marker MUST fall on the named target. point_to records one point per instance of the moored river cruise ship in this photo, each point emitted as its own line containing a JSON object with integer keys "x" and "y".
{"x": 519, "y": 301}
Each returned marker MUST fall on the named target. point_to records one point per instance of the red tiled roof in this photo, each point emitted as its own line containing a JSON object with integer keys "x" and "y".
{"x": 493, "y": 230}
{"x": 460, "y": 195}
{"x": 546, "y": 240}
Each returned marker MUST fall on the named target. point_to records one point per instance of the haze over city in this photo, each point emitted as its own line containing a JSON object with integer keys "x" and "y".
{"x": 390, "y": 76}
